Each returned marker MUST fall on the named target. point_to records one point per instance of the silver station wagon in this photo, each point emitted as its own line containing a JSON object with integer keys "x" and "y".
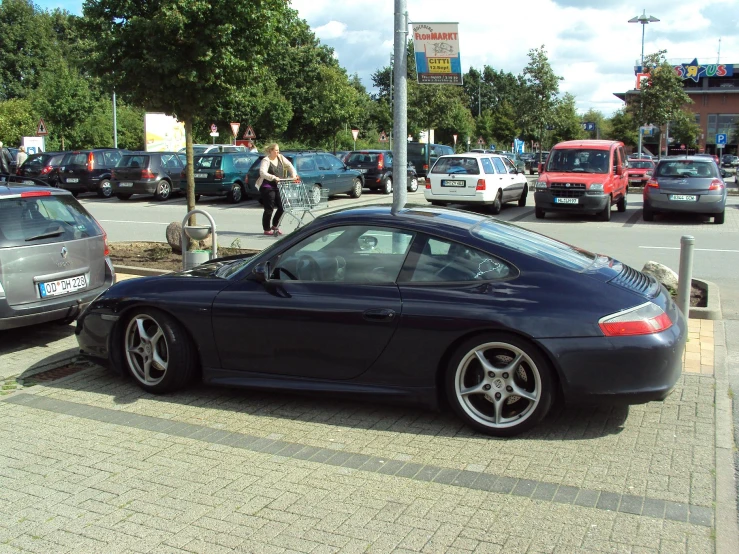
{"x": 53, "y": 256}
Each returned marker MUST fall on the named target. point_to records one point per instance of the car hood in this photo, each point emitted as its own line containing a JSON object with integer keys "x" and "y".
{"x": 579, "y": 177}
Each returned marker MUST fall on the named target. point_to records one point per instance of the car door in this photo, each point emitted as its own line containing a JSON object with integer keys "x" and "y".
{"x": 516, "y": 182}
{"x": 328, "y": 312}
{"x": 503, "y": 179}
{"x": 326, "y": 175}
{"x": 344, "y": 178}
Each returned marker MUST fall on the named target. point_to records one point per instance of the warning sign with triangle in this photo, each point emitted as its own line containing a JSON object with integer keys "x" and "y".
{"x": 383, "y": 137}
{"x": 41, "y": 129}
{"x": 235, "y": 128}
{"x": 480, "y": 141}
{"x": 249, "y": 133}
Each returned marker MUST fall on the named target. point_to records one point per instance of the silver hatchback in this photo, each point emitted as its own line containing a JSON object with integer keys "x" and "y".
{"x": 53, "y": 256}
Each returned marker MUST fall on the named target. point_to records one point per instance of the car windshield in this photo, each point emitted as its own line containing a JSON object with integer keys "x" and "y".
{"x": 456, "y": 164}
{"x": 686, "y": 169}
{"x": 578, "y": 160}
{"x": 539, "y": 246}
{"x": 31, "y": 220}
{"x": 641, "y": 165}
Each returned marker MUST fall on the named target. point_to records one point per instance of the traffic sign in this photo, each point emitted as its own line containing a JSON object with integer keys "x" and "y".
{"x": 213, "y": 128}
{"x": 235, "y": 128}
{"x": 588, "y": 126}
{"x": 455, "y": 139}
{"x": 355, "y": 134}
{"x": 214, "y": 134}
{"x": 682, "y": 147}
{"x": 383, "y": 137}
{"x": 249, "y": 133}
{"x": 41, "y": 130}
{"x": 721, "y": 138}
{"x": 480, "y": 141}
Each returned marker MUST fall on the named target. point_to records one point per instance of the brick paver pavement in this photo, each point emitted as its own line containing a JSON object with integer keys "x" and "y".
{"x": 90, "y": 463}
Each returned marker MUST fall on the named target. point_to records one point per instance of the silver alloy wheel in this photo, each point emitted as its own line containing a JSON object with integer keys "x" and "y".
{"x": 357, "y": 189}
{"x": 498, "y": 385}
{"x": 147, "y": 351}
{"x": 106, "y": 189}
{"x": 316, "y": 195}
{"x": 388, "y": 186}
{"x": 413, "y": 187}
{"x": 164, "y": 190}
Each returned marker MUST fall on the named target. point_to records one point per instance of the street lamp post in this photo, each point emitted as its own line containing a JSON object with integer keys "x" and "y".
{"x": 645, "y": 20}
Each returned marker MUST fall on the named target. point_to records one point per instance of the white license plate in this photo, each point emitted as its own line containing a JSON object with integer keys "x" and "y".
{"x": 451, "y": 183}
{"x": 200, "y": 175}
{"x": 363, "y": 171}
{"x": 684, "y": 197}
{"x": 29, "y": 183}
{"x": 565, "y": 200}
{"x": 73, "y": 180}
{"x": 125, "y": 184}
{"x": 62, "y": 286}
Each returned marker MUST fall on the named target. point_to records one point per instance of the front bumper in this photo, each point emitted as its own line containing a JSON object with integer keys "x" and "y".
{"x": 588, "y": 203}
{"x": 707, "y": 203}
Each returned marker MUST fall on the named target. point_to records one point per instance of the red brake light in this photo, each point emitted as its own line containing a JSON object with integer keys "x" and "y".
{"x": 380, "y": 161}
{"x": 426, "y": 167}
{"x": 147, "y": 174}
{"x": 428, "y": 185}
{"x": 653, "y": 183}
{"x": 646, "y": 319}
{"x": 480, "y": 184}
{"x": 46, "y": 170}
{"x": 219, "y": 174}
{"x": 90, "y": 162}
{"x": 106, "y": 252}
{"x": 32, "y": 193}
{"x": 716, "y": 184}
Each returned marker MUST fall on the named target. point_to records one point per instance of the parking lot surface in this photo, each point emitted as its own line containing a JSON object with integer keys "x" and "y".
{"x": 90, "y": 463}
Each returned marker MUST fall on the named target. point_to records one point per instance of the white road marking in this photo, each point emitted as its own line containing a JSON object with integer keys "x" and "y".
{"x": 694, "y": 250}
{"x": 138, "y": 222}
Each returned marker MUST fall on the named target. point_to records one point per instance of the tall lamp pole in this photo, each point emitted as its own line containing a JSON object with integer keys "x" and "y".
{"x": 645, "y": 20}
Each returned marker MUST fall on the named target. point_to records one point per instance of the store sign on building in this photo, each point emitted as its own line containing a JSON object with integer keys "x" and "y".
{"x": 695, "y": 71}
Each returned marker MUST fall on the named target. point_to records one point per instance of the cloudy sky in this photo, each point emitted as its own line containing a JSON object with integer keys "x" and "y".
{"x": 589, "y": 42}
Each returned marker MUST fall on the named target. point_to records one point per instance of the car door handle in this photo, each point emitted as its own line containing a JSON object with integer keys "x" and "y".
{"x": 379, "y": 315}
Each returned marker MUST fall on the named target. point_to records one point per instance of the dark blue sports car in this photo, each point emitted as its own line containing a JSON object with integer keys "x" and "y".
{"x": 429, "y": 305}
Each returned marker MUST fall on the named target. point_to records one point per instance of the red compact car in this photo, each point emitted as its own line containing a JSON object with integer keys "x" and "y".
{"x": 639, "y": 172}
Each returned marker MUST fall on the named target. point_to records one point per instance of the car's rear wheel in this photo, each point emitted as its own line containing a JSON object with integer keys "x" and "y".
{"x": 157, "y": 351}
{"x": 524, "y": 194}
{"x": 356, "y": 191}
{"x": 120, "y": 196}
{"x": 647, "y": 213}
{"x": 719, "y": 218}
{"x": 387, "y": 186}
{"x": 499, "y": 384}
{"x": 539, "y": 213}
{"x": 163, "y": 190}
{"x": 497, "y": 203}
{"x": 235, "y": 194}
{"x": 605, "y": 215}
{"x": 197, "y": 198}
{"x": 105, "y": 189}
{"x": 413, "y": 184}
{"x": 621, "y": 204}
{"x": 437, "y": 203}
{"x": 315, "y": 195}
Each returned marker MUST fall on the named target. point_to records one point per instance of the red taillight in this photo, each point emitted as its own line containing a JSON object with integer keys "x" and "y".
{"x": 219, "y": 174}
{"x": 646, "y": 319}
{"x": 90, "y": 162}
{"x": 32, "y": 193}
{"x": 716, "y": 184}
{"x": 480, "y": 184}
{"x": 46, "y": 170}
{"x": 380, "y": 161}
{"x": 106, "y": 252}
{"x": 183, "y": 175}
{"x": 653, "y": 183}
{"x": 428, "y": 185}
{"x": 425, "y": 167}
{"x": 147, "y": 174}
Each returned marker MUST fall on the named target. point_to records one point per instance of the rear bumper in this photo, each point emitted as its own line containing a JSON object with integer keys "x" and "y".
{"x": 138, "y": 187}
{"x": 62, "y": 308}
{"x": 588, "y": 203}
{"x": 706, "y": 204}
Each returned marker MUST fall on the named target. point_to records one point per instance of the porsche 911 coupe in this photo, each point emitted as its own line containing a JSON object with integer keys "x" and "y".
{"x": 429, "y": 306}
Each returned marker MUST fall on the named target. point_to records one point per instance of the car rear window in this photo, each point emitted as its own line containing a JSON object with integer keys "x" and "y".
{"x": 457, "y": 164}
{"x": 686, "y": 168}
{"x": 35, "y": 162}
{"x": 137, "y": 160}
{"x": 75, "y": 158}
{"x": 43, "y": 219}
{"x": 207, "y": 162}
{"x": 362, "y": 158}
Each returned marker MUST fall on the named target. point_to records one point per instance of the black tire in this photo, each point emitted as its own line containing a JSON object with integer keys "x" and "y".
{"x": 163, "y": 190}
{"x": 197, "y": 198}
{"x": 719, "y": 218}
{"x": 497, "y": 204}
{"x": 356, "y": 191}
{"x": 105, "y": 189}
{"x": 497, "y": 410}
{"x": 75, "y": 193}
{"x": 437, "y": 203}
{"x": 647, "y": 213}
{"x": 413, "y": 184}
{"x": 524, "y": 194}
{"x": 621, "y": 204}
{"x": 605, "y": 215}
{"x": 236, "y": 193}
{"x": 387, "y": 186}
{"x": 539, "y": 213}
{"x": 177, "y": 351}
{"x": 120, "y": 196}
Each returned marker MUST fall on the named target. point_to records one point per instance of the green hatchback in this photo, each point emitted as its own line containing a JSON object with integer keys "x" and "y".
{"x": 222, "y": 174}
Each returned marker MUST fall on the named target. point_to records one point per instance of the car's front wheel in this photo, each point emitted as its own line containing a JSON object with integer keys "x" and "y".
{"x": 605, "y": 215}
{"x": 157, "y": 351}
{"x": 522, "y": 198}
{"x": 499, "y": 384}
{"x": 539, "y": 213}
{"x": 621, "y": 204}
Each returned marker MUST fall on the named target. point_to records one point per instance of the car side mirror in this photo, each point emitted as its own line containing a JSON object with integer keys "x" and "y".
{"x": 541, "y": 168}
{"x": 619, "y": 169}
{"x": 261, "y": 272}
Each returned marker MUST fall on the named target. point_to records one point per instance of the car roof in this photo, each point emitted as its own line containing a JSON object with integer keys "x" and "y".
{"x": 368, "y": 150}
{"x": 473, "y": 155}
{"x": 418, "y": 217}
{"x": 693, "y": 157}
{"x": 594, "y": 144}
{"x": 11, "y": 190}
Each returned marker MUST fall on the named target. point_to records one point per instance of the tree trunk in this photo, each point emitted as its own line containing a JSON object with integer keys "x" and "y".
{"x": 190, "y": 173}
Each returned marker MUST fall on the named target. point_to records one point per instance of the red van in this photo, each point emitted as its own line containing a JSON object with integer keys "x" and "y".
{"x": 583, "y": 176}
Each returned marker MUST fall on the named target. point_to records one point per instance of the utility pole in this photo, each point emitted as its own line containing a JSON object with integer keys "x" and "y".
{"x": 645, "y": 20}
{"x": 115, "y": 124}
{"x": 400, "y": 107}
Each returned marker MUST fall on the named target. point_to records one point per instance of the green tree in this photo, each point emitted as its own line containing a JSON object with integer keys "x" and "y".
{"x": 662, "y": 96}
{"x": 684, "y": 129}
{"x": 567, "y": 123}
{"x": 334, "y": 102}
{"x": 602, "y": 124}
{"x": 540, "y": 87}
{"x": 18, "y": 119}
{"x": 158, "y": 56}
{"x": 624, "y": 127}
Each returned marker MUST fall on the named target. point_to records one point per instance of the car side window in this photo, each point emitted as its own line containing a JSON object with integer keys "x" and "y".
{"x": 487, "y": 165}
{"x": 334, "y": 162}
{"x": 509, "y": 165}
{"x": 442, "y": 261}
{"x": 352, "y": 254}
{"x": 305, "y": 164}
{"x": 324, "y": 164}
{"x": 499, "y": 165}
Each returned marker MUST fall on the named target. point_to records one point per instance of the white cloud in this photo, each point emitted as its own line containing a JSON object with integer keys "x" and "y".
{"x": 331, "y": 30}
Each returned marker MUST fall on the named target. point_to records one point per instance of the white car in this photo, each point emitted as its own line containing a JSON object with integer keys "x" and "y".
{"x": 476, "y": 178}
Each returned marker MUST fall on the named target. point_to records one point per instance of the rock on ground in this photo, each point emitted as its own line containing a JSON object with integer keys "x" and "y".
{"x": 663, "y": 274}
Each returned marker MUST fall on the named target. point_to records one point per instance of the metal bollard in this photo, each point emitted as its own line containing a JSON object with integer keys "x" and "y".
{"x": 685, "y": 277}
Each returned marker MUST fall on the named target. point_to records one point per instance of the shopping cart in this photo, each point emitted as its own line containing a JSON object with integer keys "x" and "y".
{"x": 298, "y": 201}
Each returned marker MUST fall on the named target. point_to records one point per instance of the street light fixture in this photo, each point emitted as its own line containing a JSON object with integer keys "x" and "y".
{"x": 645, "y": 20}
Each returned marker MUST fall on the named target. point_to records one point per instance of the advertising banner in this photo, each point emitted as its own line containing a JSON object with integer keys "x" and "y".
{"x": 437, "y": 53}
{"x": 163, "y": 133}
{"x": 33, "y": 145}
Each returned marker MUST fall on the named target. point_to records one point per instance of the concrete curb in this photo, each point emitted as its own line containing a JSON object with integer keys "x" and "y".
{"x": 713, "y": 310}
{"x": 140, "y": 271}
{"x": 727, "y": 529}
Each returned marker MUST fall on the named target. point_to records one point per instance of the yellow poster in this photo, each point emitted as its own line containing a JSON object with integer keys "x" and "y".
{"x": 163, "y": 133}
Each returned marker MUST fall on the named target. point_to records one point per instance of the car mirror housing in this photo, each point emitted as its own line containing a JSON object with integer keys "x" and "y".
{"x": 619, "y": 169}
{"x": 261, "y": 272}
{"x": 541, "y": 168}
